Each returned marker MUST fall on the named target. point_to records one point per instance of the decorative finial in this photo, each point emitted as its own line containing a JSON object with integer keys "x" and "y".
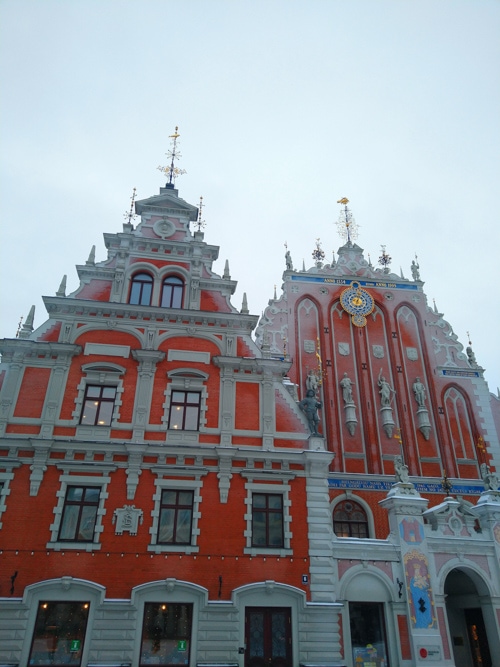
{"x": 200, "y": 224}
{"x": 318, "y": 254}
{"x": 244, "y": 305}
{"x": 19, "y": 326}
{"x": 333, "y": 259}
{"x": 346, "y": 225}
{"x": 172, "y": 171}
{"x": 275, "y": 296}
{"x": 468, "y": 337}
{"x": 62, "y": 287}
{"x": 27, "y": 327}
{"x": 91, "y": 260}
{"x": 227, "y": 274}
{"x": 370, "y": 261}
{"x": 131, "y": 215}
{"x": 384, "y": 259}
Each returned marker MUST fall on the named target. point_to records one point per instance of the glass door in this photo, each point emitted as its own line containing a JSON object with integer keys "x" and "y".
{"x": 268, "y": 637}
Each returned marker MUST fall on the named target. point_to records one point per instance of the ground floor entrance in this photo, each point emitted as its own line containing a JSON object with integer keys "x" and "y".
{"x": 268, "y": 637}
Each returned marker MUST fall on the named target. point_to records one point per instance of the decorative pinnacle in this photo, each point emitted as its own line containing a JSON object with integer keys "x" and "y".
{"x": 131, "y": 215}
{"x": 346, "y": 225}
{"x": 384, "y": 259}
{"x": 172, "y": 171}
{"x": 468, "y": 336}
{"x": 318, "y": 254}
{"x": 200, "y": 224}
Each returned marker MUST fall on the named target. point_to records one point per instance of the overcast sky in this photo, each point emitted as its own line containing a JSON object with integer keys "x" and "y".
{"x": 283, "y": 108}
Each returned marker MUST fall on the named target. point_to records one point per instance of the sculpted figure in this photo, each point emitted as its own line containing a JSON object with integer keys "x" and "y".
{"x": 401, "y": 470}
{"x": 472, "y": 357}
{"x": 312, "y": 382}
{"x": 288, "y": 260}
{"x": 309, "y": 405}
{"x": 490, "y": 480}
{"x": 419, "y": 391}
{"x": 346, "y": 385}
{"x": 385, "y": 390}
{"x": 415, "y": 270}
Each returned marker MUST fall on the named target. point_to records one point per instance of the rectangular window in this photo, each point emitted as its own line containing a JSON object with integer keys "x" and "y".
{"x": 59, "y": 633}
{"x": 185, "y": 410}
{"x": 166, "y": 634}
{"x": 79, "y": 514}
{"x": 176, "y": 516}
{"x": 267, "y": 520}
{"x": 98, "y": 405}
{"x": 368, "y": 639}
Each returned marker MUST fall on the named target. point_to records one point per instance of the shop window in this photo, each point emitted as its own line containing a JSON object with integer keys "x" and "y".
{"x": 368, "y": 637}
{"x": 267, "y": 520}
{"x": 141, "y": 289}
{"x": 184, "y": 410}
{"x": 172, "y": 292}
{"x": 176, "y": 517}
{"x": 166, "y": 634}
{"x": 98, "y": 405}
{"x": 350, "y": 520}
{"x": 59, "y": 633}
{"x": 79, "y": 514}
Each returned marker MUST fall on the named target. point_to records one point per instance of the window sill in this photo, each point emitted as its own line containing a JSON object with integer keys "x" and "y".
{"x": 268, "y": 551}
{"x": 174, "y": 549}
{"x": 73, "y": 546}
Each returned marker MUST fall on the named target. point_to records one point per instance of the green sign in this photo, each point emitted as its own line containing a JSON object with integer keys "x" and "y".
{"x": 182, "y": 645}
{"x": 74, "y": 647}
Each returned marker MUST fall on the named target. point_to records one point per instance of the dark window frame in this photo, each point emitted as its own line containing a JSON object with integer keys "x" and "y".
{"x": 138, "y": 294}
{"x": 187, "y": 406}
{"x": 166, "y": 634}
{"x": 350, "y": 520}
{"x": 101, "y": 401}
{"x": 178, "y": 508}
{"x": 269, "y": 516}
{"x": 172, "y": 292}
{"x": 69, "y": 631}
{"x": 82, "y": 504}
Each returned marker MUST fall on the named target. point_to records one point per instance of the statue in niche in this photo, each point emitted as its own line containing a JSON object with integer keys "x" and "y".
{"x": 346, "y": 384}
{"x": 419, "y": 390}
{"x": 288, "y": 261}
{"x": 310, "y": 406}
{"x": 415, "y": 270}
{"x": 384, "y": 391}
{"x": 312, "y": 383}
{"x": 401, "y": 470}
{"x": 490, "y": 480}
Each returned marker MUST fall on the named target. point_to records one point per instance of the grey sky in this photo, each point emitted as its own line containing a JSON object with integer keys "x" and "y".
{"x": 283, "y": 107}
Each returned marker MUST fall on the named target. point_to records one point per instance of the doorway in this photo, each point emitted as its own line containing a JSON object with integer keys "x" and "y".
{"x": 268, "y": 637}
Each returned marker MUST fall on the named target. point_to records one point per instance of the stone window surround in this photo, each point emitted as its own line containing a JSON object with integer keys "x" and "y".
{"x": 158, "y": 275}
{"x": 283, "y": 488}
{"x": 186, "y": 379}
{"x": 99, "y": 374}
{"x": 5, "y": 477}
{"x": 348, "y": 495}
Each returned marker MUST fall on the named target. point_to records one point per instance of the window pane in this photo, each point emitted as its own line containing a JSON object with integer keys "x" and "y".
{"x": 75, "y": 493}
{"x": 176, "y": 414}
{"x": 166, "y": 527}
{"x": 87, "y": 523}
{"x": 178, "y": 396}
{"x": 147, "y": 291}
{"x": 59, "y": 633}
{"x": 166, "y": 296}
{"x": 191, "y": 419}
{"x": 176, "y": 298}
{"x": 93, "y": 391}
{"x": 166, "y": 634}
{"x": 92, "y": 494}
{"x": 193, "y": 397}
{"x": 168, "y": 497}
{"x": 275, "y": 502}
{"x": 69, "y": 522}
{"x": 183, "y": 532}
{"x": 275, "y": 529}
{"x": 185, "y": 498}
{"x": 105, "y": 414}
{"x": 259, "y": 529}
{"x": 258, "y": 500}
{"x": 89, "y": 412}
{"x": 108, "y": 392}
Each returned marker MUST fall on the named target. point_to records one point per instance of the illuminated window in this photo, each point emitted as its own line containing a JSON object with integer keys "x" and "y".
{"x": 350, "y": 520}
{"x": 172, "y": 292}
{"x": 185, "y": 410}
{"x": 166, "y": 634}
{"x": 98, "y": 405}
{"x": 176, "y": 516}
{"x": 59, "y": 633}
{"x": 141, "y": 289}
{"x": 267, "y": 520}
{"x": 79, "y": 514}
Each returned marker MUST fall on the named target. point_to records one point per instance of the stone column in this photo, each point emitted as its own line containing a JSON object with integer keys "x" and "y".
{"x": 146, "y": 372}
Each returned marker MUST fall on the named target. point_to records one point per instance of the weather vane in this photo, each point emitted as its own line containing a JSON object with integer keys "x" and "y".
{"x": 318, "y": 254}
{"x": 200, "y": 224}
{"x": 172, "y": 171}
{"x": 384, "y": 259}
{"x": 346, "y": 225}
{"x": 130, "y": 215}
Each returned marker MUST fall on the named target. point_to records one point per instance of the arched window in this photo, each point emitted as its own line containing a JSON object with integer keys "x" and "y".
{"x": 172, "y": 292}
{"x": 141, "y": 289}
{"x": 350, "y": 520}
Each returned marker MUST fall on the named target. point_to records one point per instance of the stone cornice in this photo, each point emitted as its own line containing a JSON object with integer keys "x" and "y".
{"x": 178, "y": 249}
{"x": 69, "y": 308}
{"x": 16, "y": 349}
{"x": 276, "y": 368}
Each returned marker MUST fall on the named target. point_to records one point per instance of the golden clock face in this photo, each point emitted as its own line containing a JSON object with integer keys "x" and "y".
{"x": 358, "y": 303}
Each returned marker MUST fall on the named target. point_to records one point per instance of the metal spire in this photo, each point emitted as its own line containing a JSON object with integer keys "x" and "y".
{"x": 172, "y": 171}
{"x": 346, "y": 225}
{"x": 200, "y": 224}
{"x": 130, "y": 215}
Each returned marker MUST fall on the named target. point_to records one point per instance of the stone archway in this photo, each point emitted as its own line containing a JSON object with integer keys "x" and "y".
{"x": 471, "y": 619}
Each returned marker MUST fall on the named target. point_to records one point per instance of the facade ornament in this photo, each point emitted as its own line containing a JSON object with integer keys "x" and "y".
{"x": 420, "y": 393}
{"x": 415, "y": 269}
{"x": 91, "y": 260}
{"x": 312, "y": 383}
{"x": 62, "y": 287}
{"x": 401, "y": 470}
{"x": 310, "y": 406}
{"x": 127, "y": 519}
{"x": 288, "y": 260}
{"x": 346, "y": 225}
{"x": 173, "y": 153}
{"x": 27, "y": 327}
{"x": 244, "y": 305}
{"x": 491, "y": 482}
{"x": 349, "y": 407}
{"x": 318, "y": 254}
{"x": 227, "y": 274}
{"x": 130, "y": 215}
{"x": 385, "y": 392}
{"x": 384, "y": 260}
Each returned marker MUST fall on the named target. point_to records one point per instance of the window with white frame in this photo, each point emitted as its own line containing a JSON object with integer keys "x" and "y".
{"x": 81, "y": 505}
{"x": 172, "y": 292}
{"x": 186, "y": 400}
{"x": 268, "y": 518}
{"x": 5, "y": 478}
{"x": 175, "y": 515}
{"x": 99, "y": 396}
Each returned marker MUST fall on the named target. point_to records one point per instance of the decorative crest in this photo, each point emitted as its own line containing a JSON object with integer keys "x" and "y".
{"x": 200, "y": 224}
{"x": 131, "y": 214}
{"x": 384, "y": 259}
{"x": 346, "y": 225}
{"x": 172, "y": 171}
{"x": 318, "y": 253}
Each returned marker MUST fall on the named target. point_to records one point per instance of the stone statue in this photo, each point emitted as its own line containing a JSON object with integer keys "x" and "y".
{"x": 401, "y": 470}
{"x": 346, "y": 384}
{"x": 472, "y": 357}
{"x": 419, "y": 391}
{"x": 415, "y": 270}
{"x": 384, "y": 391}
{"x": 310, "y": 406}
{"x": 490, "y": 480}
{"x": 288, "y": 260}
{"x": 312, "y": 382}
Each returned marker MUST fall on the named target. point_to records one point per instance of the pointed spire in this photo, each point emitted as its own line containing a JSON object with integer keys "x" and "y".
{"x": 172, "y": 171}
{"x": 275, "y": 296}
{"x": 370, "y": 261}
{"x": 27, "y": 328}
{"x": 401, "y": 272}
{"x": 334, "y": 263}
{"x": 435, "y": 307}
{"x": 244, "y": 305}
{"x": 227, "y": 275}
{"x": 130, "y": 215}
{"x": 91, "y": 259}
{"x": 303, "y": 266}
{"x": 62, "y": 287}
